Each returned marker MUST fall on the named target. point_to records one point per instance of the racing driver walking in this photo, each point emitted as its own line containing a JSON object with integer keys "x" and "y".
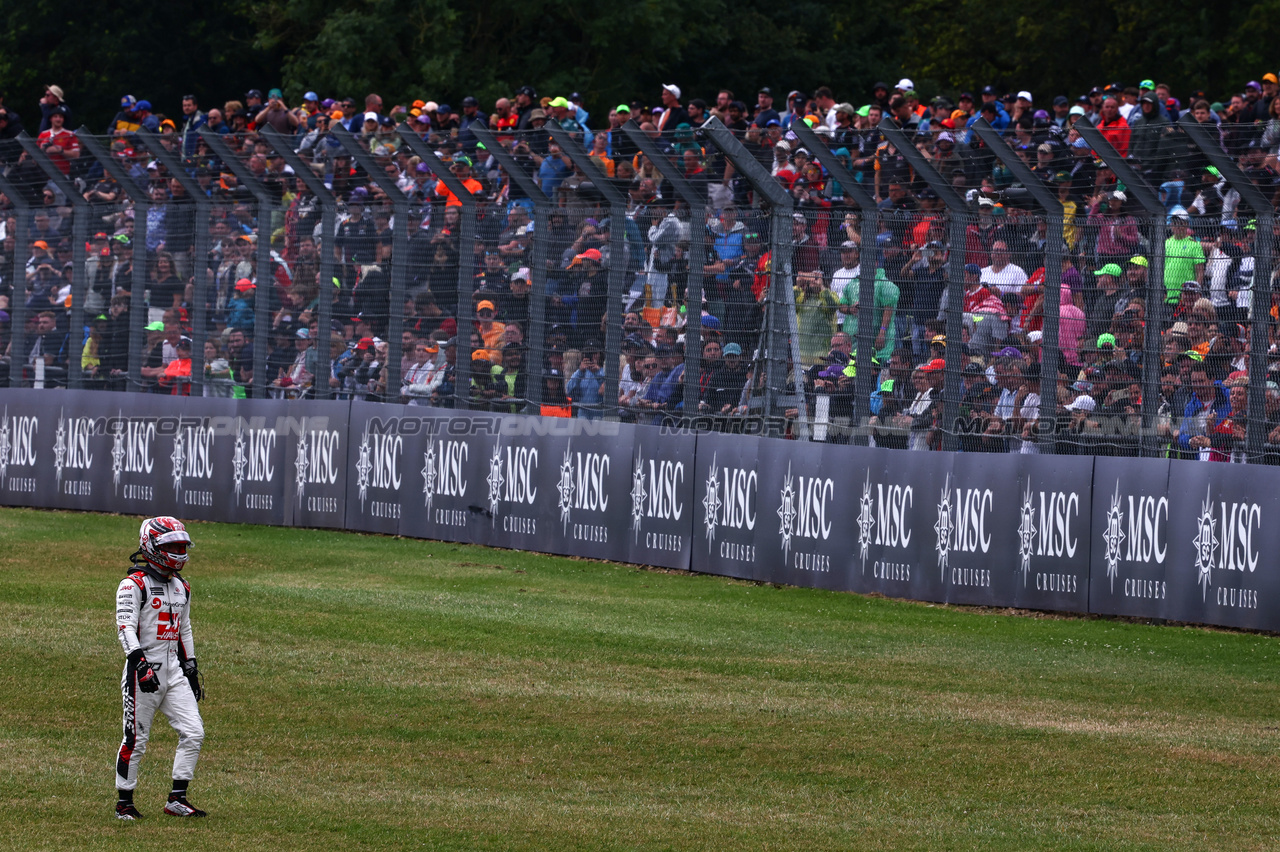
{"x": 152, "y": 609}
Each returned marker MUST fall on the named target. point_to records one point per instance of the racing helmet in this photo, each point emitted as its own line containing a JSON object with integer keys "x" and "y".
{"x": 156, "y": 536}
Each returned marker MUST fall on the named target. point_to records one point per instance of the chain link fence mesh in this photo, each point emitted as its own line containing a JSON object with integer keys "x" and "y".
{"x": 1069, "y": 285}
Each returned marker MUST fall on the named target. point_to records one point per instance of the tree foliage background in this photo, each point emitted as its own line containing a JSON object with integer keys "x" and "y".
{"x": 611, "y": 52}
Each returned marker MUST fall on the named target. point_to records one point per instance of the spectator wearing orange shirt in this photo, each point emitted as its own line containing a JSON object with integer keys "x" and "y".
{"x": 461, "y": 168}
{"x": 490, "y": 330}
{"x": 177, "y": 373}
{"x": 600, "y": 153}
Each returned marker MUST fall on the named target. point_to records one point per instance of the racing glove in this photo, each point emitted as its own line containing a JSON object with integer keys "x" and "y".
{"x": 147, "y": 680}
{"x": 192, "y": 673}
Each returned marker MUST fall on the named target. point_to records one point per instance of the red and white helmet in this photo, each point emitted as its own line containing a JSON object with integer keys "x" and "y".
{"x": 155, "y": 534}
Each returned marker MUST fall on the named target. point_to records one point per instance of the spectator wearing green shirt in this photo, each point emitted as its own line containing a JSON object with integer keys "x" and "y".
{"x": 1183, "y": 258}
{"x": 816, "y": 308}
{"x": 886, "y": 302}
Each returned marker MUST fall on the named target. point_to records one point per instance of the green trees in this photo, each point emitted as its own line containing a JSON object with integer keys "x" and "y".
{"x": 446, "y": 49}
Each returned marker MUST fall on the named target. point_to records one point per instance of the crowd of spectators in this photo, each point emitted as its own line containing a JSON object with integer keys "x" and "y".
{"x": 1199, "y": 318}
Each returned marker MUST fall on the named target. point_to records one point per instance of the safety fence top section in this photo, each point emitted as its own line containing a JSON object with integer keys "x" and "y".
{"x": 957, "y": 278}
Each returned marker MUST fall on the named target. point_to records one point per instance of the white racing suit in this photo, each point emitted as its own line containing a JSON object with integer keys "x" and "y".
{"x": 152, "y": 615}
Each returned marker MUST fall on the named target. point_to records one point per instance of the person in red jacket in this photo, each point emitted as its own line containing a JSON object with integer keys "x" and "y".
{"x": 1113, "y": 126}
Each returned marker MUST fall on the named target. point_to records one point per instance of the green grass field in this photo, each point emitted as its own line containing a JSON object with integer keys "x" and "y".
{"x": 376, "y": 693}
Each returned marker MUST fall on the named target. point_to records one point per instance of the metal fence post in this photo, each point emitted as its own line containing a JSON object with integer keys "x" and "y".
{"x": 864, "y": 381}
{"x": 138, "y": 286}
{"x": 1157, "y": 310}
{"x": 265, "y": 295}
{"x": 79, "y": 239}
{"x": 466, "y": 242}
{"x": 329, "y": 226}
{"x": 1052, "y": 276}
{"x": 199, "y": 251}
{"x": 617, "y": 256}
{"x": 18, "y": 304}
{"x": 697, "y": 250}
{"x": 1259, "y": 310}
{"x": 538, "y": 271}
{"x": 782, "y": 295}
{"x": 953, "y": 380}
{"x": 399, "y": 254}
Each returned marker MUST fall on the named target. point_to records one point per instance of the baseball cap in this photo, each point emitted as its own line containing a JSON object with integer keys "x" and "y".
{"x": 245, "y": 284}
{"x": 1025, "y": 95}
{"x": 973, "y": 269}
{"x": 1109, "y": 269}
{"x": 1035, "y": 336}
{"x": 623, "y": 108}
{"x": 1106, "y": 339}
{"x": 303, "y": 334}
{"x": 155, "y": 326}
{"x": 933, "y": 366}
{"x": 905, "y": 84}
{"x": 673, "y": 89}
{"x": 485, "y": 304}
{"x": 309, "y": 96}
{"x": 370, "y": 116}
{"x": 732, "y": 349}
{"x": 563, "y": 102}
{"x": 1138, "y": 260}
{"x": 1083, "y": 402}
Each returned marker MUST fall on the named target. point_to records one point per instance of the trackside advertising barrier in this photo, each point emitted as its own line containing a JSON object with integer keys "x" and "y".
{"x": 1178, "y": 540}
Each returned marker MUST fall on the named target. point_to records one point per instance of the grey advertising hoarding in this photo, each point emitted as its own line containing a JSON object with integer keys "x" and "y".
{"x": 975, "y": 514}
{"x": 728, "y": 510}
{"x": 804, "y": 536}
{"x": 517, "y": 483}
{"x": 73, "y": 455}
{"x": 661, "y": 498}
{"x": 377, "y": 468}
{"x": 315, "y": 438}
{"x": 256, "y": 454}
{"x": 446, "y": 491}
{"x": 895, "y": 521}
{"x": 588, "y": 475}
{"x": 1129, "y": 542}
{"x": 1052, "y": 543}
{"x": 1224, "y": 534}
{"x": 131, "y": 450}
{"x": 196, "y": 453}
{"x": 1179, "y": 540}
{"x": 27, "y": 423}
